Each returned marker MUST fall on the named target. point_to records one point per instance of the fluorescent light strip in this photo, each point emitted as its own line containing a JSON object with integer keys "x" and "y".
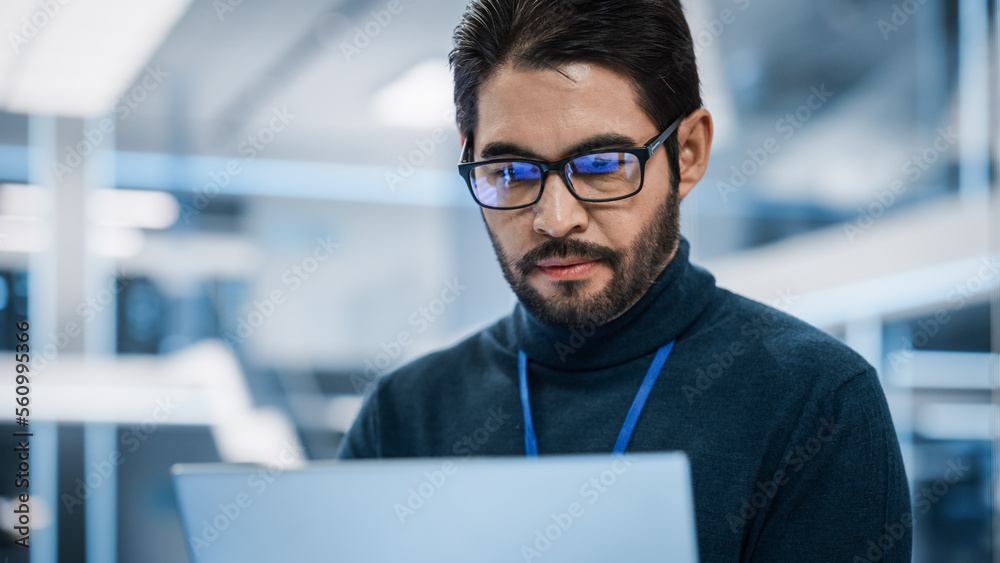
{"x": 24, "y": 201}
{"x": 291, "y": 179}
{"x": 420, "y": 98}
{"x": 23, "y": 235}
{"x": 887, "y": 295}
{"x": 132, "y": 208}
{"x": 86, "y": 55}
{"x": 13, "y": 28}
{"x": 270, "y": 177}
{"x": 115, "y": 242}
{"x": 956, "y": 421}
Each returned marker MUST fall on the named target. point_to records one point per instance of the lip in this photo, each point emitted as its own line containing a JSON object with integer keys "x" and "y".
{"x": 566, "y": 269}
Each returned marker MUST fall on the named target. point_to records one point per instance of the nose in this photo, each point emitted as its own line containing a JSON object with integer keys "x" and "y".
{"x": 558, "y": 213}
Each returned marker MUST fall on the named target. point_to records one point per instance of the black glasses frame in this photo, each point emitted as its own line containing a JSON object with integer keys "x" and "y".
{"x": 643, "y": 154}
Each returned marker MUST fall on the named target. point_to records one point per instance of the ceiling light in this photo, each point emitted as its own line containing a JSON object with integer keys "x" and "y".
{"x": 75, "y": 57}
{"x": 132, "y": 208}
{"x": 22, "y": 200}
{"x": 115, "y": 242}
{"x": 19, "y": 234}
{"x": 421, "y": 98}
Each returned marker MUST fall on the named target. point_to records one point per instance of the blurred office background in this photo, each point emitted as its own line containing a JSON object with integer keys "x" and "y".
{"x": 225, "y": 218}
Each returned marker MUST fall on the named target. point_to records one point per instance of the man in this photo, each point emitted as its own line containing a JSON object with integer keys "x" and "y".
{"x": 583, "y": 129}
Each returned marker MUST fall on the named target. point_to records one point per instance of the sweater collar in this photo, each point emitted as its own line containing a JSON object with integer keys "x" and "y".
{"x": 675, "y": 300}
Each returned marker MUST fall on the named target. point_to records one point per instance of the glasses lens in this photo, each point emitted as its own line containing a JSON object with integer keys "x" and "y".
{"x": 506, "y": 184}
{"x": 606, "y": 175}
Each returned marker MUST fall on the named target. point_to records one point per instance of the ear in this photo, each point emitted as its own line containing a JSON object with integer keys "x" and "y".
{"x": 694, "y": 137}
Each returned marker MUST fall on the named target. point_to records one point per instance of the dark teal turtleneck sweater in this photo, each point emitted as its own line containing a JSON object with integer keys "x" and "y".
{"x": 793, "y": 452}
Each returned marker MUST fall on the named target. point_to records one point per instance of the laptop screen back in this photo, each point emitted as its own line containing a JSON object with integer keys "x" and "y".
{"x": 635, "y": 508}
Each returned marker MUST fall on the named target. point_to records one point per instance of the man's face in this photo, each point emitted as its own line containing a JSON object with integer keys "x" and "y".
{"x": 570, "y": 262}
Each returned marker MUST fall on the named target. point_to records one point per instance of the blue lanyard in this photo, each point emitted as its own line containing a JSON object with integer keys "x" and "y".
{"x": 531, "y": 442}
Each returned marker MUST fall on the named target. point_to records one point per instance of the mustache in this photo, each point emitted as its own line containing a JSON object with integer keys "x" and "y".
{"x": 561, "y": 248}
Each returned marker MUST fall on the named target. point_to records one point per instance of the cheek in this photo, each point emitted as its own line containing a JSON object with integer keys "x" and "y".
{"x": 616, "y": 228}
{"x": 622, "y": 225}
{"x": 512, "y": 229}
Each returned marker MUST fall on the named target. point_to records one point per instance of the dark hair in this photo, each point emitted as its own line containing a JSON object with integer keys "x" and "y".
{"x": 646, "y": 40}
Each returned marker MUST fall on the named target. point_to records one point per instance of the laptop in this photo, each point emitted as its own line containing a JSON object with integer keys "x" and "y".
{"x": 557, "y": 509}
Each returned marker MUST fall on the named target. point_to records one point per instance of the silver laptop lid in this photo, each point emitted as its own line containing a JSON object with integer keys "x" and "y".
{"x": 636, "y": 507}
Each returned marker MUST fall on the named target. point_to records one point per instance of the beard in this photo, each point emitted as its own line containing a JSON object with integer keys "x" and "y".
{"x": 634, "y": 270}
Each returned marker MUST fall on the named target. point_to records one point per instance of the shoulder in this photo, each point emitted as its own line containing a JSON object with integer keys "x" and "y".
{"x": 786, "y": 349}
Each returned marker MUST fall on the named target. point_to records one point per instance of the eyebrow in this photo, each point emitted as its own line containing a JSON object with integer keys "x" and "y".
{"x": 597, "y": 142}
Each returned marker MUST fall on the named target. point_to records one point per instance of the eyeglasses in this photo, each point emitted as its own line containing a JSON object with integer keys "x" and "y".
{"x": 594, "y": 176}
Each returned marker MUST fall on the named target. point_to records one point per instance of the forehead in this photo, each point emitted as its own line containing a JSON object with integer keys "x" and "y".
{"x": 548, "y": 110}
